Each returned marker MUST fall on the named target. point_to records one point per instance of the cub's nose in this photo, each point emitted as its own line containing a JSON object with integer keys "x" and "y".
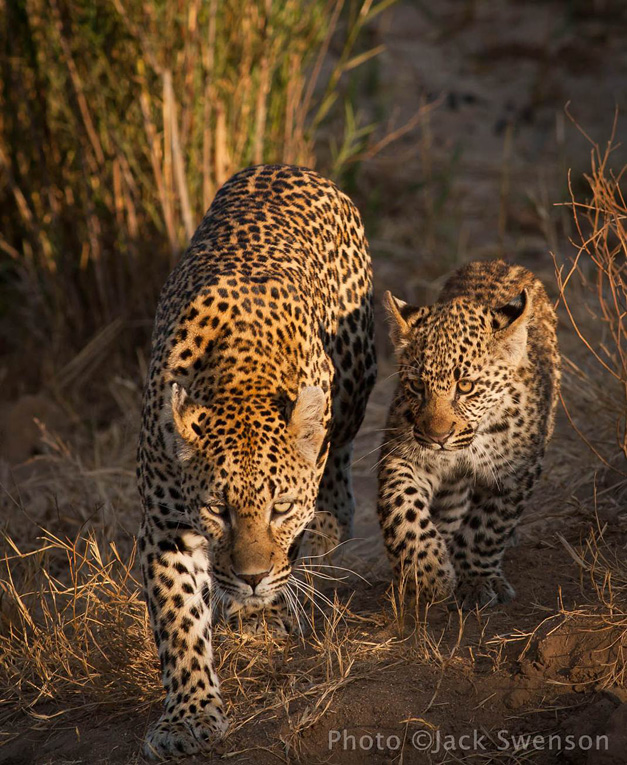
{"x": 439, "y": 434}
{"x": 252, "y": 579}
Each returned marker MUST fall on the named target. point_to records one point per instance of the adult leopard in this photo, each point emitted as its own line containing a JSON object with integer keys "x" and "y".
{"x": 262, "y": 364}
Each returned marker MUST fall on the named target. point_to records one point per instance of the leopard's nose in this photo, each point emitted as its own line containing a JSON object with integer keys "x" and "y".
{"x": 252, "y": 580}
{"x": 439, "y": 434}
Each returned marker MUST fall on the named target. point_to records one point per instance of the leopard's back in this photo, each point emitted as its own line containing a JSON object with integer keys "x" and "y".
{"x": 274, "y": 292}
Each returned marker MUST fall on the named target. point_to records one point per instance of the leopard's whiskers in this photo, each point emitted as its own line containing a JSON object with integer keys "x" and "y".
{"x": 321, "y": 575}
{"x": 308, "y": 590}
{"x": 341, "y": 568}
{"x": 331, "y": 550}
{"x": 401, "y": 440}
{"x": 377, "y": 448}
{"x": 312, "y": 589}
{"x": 295, "y": 607}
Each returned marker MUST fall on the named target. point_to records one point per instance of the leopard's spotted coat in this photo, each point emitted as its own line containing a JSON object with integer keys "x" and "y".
{"x": 474, "y": 408}
{"x": 262, "y": 364}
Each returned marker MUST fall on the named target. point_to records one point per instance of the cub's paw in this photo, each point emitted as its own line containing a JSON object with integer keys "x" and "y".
{"x": 503, "y": 590}
{"x": 192, "y": 734}
{"x": 479, "y": 592}
{"x": 434, "y": 581}
{"x": 445, "y": 581}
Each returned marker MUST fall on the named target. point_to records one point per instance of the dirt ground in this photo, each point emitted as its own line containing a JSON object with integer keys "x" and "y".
{"x": 479, "y": 178}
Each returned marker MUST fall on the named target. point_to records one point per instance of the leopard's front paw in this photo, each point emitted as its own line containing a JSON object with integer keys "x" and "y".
{"x": 478, "y": 592}
{"x": 275, "y": 625}
{"x": 272, "y": 620}
{"x": 191, "y": 734}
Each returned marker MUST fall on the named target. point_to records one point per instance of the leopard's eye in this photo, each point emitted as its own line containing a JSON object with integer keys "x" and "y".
{"x": 282, "y": 508}
{"x": 218, "y": 509}
{"x": 465, "y": 386}
{"x": 416, "y": 386}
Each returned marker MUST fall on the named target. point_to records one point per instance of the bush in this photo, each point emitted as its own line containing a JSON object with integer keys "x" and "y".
{"x": 119, "y": 119}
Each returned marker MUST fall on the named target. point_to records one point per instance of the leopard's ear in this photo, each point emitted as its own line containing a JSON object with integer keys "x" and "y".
{"x": 180, "y": 398}
{"x": 285, "y": 404}
{"x": 509, "y": 324}
{"x": 307, "y": 421}
{"x": 402, "y": 317}
{"x": 185, "y": 414}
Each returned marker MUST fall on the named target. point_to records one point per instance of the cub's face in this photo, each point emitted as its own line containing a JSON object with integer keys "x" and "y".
{"x": 250, "y": 471}
{"x": 456, "y": 360}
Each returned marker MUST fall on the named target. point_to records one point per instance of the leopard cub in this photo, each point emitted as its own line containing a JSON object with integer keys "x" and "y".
{"x": 467, "y": 430}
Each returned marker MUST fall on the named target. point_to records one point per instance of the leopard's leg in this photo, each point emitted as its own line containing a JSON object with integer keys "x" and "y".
{"x": 176, "y": 572}
{"x": 450, "y": 505}
{"x": 478, "y": 546}
{"x": 333, "y": 522}
{"x": 352, "y": 351}
{"x": 416, "y": 548}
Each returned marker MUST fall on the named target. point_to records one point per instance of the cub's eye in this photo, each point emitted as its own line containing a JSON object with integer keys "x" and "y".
{"x": 282, "y": 508}
{"x": 416, "y": 386}
{"x": 218, "y": 509}
{"x": 465, "y": 386}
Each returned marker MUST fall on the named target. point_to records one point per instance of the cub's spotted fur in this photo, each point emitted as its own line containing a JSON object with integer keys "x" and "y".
{"x": 467, "y": 430}
{"x": 262, "y": 364}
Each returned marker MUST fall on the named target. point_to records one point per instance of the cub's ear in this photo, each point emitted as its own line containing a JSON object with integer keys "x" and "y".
{"x": 307, "y": 422}
{"x": 185, "y": 414}
{"x": 402, "y": 317}
{"x": 509, "y": 323}
{"x": 506, "y": 315}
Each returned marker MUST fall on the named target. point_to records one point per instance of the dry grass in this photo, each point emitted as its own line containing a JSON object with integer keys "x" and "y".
{"x": 606, "y": 617}
{"x": 80, "y": 481}
{"x": 593, "y": 292}
{"x": 582, "y": 646}
{"x": 74, "y": 635}
{"x": 297, "y": 682}
{"x": 411, "y": 617}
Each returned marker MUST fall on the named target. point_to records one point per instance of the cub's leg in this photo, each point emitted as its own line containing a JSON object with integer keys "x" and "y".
{"x": 177, "y": 583}
{"x": 450, "y": 505}
{"x": 477, "y": 547}
{"x": 416, "y": 548}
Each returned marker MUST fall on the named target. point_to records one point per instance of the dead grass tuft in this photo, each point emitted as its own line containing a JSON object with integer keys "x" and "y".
{"x": 77, "y": 639}
{"x": 593, "y": 291}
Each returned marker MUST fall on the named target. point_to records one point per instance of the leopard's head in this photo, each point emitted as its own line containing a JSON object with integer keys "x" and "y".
{"x": 456, "y": 360}
{"x": 250, "y": 468}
